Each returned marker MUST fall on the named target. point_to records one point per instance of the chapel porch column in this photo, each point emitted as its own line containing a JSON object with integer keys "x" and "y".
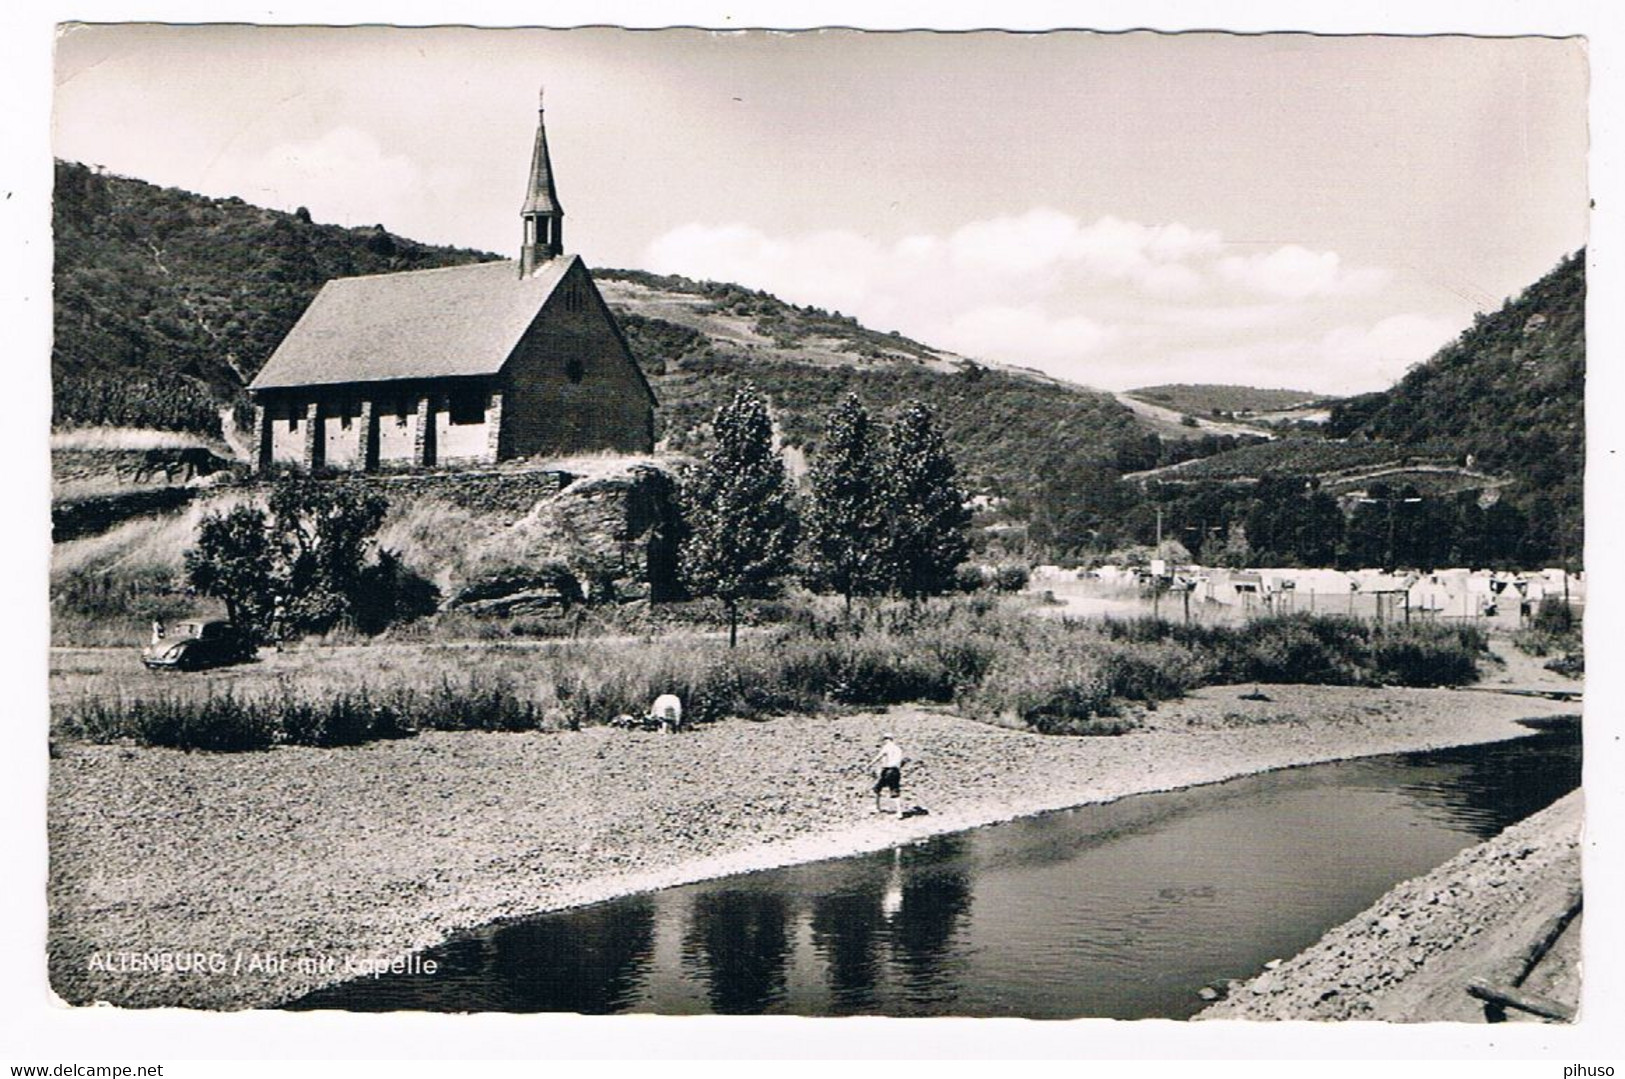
{"x": 423, "y": 448}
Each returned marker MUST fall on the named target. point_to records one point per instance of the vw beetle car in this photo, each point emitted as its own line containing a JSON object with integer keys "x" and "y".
{"x": 191, "y": 646}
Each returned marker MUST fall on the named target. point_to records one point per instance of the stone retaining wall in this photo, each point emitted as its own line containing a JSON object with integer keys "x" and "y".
{"x": 72, "y": 518}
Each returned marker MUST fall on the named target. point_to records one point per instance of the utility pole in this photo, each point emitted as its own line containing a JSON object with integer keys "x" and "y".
{"x": 1390, "y": 502}
{"x": 1563, "y": 557}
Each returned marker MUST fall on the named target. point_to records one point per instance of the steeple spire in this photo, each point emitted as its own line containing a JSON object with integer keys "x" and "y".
{"x": 542, "y": 215}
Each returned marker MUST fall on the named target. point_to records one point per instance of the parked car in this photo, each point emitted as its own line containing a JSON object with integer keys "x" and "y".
{"x": 191, "y": 646}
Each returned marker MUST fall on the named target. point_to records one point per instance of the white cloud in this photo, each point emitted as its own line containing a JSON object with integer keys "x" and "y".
{"x": 1377, "y": 355}
{"x": 1043, "y": 239}
{"x": 1295, "y": 273}
{"x": 1244, "y": 316}
{"x": 829, "y": 269}
{"x": 1113, "y": 303}
{"x": 1038, "y": 337}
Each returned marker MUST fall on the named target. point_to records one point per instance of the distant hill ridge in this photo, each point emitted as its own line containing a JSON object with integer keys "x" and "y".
{"x": 1500, "y": 411}
{"x": 1204, "y": 399}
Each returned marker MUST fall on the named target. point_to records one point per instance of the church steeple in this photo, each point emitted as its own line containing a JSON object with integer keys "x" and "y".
{"x": 542, "y": 215}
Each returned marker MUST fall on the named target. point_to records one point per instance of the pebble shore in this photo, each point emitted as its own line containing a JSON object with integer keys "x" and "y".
{"x": 278, "y": 872}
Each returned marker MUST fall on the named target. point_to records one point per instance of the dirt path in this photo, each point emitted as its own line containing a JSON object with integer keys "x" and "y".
{"x": 1519, "y": 670}
{"x": 312, "y": 856}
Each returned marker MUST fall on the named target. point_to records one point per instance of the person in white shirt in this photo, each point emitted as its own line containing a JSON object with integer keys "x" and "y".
{"x": 667, "y": 711}
{"x": 888, "y": 766}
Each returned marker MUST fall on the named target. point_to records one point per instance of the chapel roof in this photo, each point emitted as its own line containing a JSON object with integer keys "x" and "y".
{"x": 459, "y": 321}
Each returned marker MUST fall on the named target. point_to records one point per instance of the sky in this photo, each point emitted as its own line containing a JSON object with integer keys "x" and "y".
{"x": 1296, "y": 211}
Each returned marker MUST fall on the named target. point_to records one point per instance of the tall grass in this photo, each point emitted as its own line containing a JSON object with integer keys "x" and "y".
{"x": 995, "y": 662}
{"x": 127, "y": 438}
{"x": 107, "y": 589}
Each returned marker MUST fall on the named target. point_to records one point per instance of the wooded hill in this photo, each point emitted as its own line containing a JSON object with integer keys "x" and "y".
{"x": 167, "y": 303}
{"x": 1509, "y": 392}
{"x": 1483, "y": 445}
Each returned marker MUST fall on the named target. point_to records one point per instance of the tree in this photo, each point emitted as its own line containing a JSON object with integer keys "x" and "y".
{"x": 1079, "y": 505}
{"x": 323, "y": 530}
{"x": 1321, "y": 530}
{"x": 311, "y": 549}
{"x": 741, "y": 521}
{"x": 233, "y": 563}
{"x": 928, "y": 512}
{"x": 1236, "y": 552}
{"x": 847, "y": 524}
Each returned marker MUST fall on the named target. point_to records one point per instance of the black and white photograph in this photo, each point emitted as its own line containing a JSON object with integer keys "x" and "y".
{"x": 820, "y": 522}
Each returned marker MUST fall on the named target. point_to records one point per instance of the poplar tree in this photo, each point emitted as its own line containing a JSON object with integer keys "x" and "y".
{"x": 847, "y": 523}
{"x": 928, "y": 515}
{"x": 742, "y": 525}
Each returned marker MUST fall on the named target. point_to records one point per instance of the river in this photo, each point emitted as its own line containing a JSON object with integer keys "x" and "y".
{"x": 1123, "y": 910}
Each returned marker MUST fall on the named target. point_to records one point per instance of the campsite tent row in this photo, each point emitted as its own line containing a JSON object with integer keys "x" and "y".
{"x": 1447, "y": 592}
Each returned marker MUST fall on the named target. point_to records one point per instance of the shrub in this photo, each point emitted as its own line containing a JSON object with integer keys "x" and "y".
{"x": 1154, "y": 672}
{"x": 478, "y": 704}
{"x": 1085, "y": 727}
{"x": 969, "y": 577}
{"x": 1555, "y": 617}
{"x": 391, "y": 593}
{"x": 348, "y": 719}
{"x": 1011, "y": 577}
{"x": 1423, "y": 656}
{"x": 999, "y": 663}
{"x": 1570, "y": 665}
{"x": 219, "y": 724}
{"x": 1533, "y": 642}
{"x": 1043, "y": 698}
{"x": 1288, "y": 650}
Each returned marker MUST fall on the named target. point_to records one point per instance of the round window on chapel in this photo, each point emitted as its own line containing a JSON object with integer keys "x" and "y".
{"x": 573, "y": 370}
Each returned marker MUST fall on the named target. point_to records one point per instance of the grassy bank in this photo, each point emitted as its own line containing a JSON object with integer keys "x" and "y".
{"x": 988, "y": 657}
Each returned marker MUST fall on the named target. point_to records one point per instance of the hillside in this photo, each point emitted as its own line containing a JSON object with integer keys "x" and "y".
{"x": 1509, "y": 392}
{"x": 1320, "y": 458}
{"x": 167, "y": 303}
{"x": 1478, "y": 453}
{"x": 701, "y": 340}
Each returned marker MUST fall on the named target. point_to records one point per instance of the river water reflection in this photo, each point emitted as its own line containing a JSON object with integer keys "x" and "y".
{"x": 1123, "y": 910}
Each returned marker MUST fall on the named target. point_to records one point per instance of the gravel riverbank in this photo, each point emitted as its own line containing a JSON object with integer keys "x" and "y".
{"x": 286, "y": 869}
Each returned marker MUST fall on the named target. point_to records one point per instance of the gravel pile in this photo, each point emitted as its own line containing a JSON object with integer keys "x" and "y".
{"x": 289, "y": 867}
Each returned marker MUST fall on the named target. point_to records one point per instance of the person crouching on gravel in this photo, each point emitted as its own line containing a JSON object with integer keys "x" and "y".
{"x": 888, "y": 766}
{"x": 667, "y": 712}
